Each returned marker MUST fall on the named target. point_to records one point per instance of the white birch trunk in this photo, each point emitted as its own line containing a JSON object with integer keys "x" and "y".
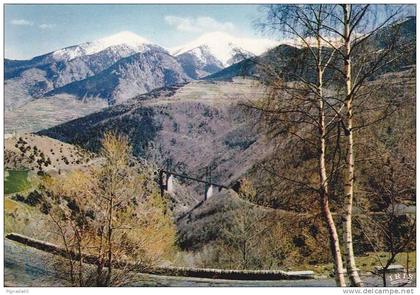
{"x": 324, "y": 197}
{"x": 349, "y": 172}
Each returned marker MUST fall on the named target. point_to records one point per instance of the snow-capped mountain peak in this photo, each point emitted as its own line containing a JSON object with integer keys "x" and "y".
{"x": 128, "y": 40}
{"x": 224, "y": 46}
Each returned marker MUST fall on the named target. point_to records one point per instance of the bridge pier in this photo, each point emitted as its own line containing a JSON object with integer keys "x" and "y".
{"x": 170, "y": 183}
{"x": 166, "y": 182}
{"x": 208, "y": 192}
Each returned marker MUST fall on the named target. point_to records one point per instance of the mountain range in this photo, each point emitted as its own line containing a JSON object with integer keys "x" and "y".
{"x": 121, "y": 66}
{"x": 85, "y": 78}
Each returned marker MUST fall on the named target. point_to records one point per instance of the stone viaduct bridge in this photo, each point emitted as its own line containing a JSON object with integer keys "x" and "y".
{"x": 166, "y": 182}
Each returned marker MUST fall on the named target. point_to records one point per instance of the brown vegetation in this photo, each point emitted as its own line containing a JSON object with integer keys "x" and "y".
{"x": 113, "y": 212}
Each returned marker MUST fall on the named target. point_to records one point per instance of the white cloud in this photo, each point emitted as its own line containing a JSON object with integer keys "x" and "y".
{"x": 198, "y": 24}
{"x": 24, "y": 22}
{"x": 21, "y": 22}
{"x": 46, "y": 26}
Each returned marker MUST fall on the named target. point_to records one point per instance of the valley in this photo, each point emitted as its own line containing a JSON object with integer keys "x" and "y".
{"x": 172, "y": 129}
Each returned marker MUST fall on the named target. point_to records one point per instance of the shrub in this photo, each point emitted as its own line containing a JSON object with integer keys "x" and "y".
{"x": 34, "y": 198}
{"x": 19, "y": 198}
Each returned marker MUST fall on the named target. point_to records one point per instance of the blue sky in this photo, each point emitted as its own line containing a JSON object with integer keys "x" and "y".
{"x": 32, "y": 30}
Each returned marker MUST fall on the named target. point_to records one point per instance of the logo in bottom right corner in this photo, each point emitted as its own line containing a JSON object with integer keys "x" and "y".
{"x": 400, "y": 279}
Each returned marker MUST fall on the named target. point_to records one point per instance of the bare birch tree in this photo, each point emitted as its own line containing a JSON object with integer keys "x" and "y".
{"x": 298, "y": 97}
{"x": 361, "y": 62}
